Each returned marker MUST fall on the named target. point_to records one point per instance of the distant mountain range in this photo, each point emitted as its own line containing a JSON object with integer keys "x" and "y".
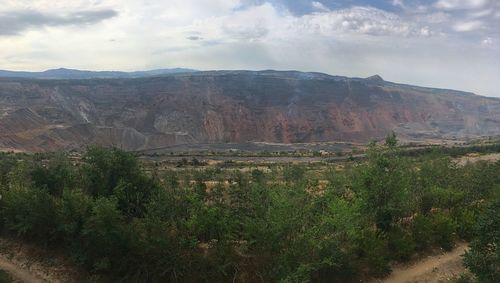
{"x": 164, "y": 109}
{"x": 63, "y": 73}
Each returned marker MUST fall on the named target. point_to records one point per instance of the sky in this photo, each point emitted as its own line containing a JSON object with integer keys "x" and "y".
{"x": 438, "y": 43}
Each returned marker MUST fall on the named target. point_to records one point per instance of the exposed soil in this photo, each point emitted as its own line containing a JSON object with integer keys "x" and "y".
{"x": 26, "y": 263}
{"x": 472, "y": 158}
{"x": 443, "y": 267}
{"x": 23, "y": 266}
{"x": 18, "y": 273}
{"x": 268, "y": 107}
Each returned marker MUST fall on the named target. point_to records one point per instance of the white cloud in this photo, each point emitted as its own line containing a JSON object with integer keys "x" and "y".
{"x": 267, "y": 23}
{"x": 225, "y": 34}
{"x": 250, "y": 24}
{"x": 398, "y": 3}
{"x": 468, "y": 26}
{"x": 462, "y": 4}
{"x": 434, "y": 18}
{"x": 425, "y": 31}
{"x": 359, "y": 20}
{"x": 318, "y": 6}
{"x": 481, "y": 13}
{"x": 487, "y": 41}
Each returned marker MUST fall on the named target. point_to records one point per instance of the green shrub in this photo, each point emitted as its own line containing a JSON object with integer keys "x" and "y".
{"x": 5, "y": 277}
{"x": 464, "y": 278}
{"x": 447, "y": 198}
{"x": 433, "y": 229}
{"x": 293, "y": 173}
{"x": 372, "y": 250}
{"x": 120, "y": 224}
{"x": 444, "y": 231}
{"x": 422, "y": 231}
{"x": 336, "y": 268}
{"x": 30, "y": 213}
{"x": 54, "y": 177}
{"x": 401, "y": 244}
{"x": 116, "y": 173}
{"x": 483, "y": 258}
{"x": 465, "y": 219}
{"x": 106, "y": 238}
{"x": 74, "y": 211}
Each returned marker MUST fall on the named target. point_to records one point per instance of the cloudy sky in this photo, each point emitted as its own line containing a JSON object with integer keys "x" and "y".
{"x": 440, "y": 43}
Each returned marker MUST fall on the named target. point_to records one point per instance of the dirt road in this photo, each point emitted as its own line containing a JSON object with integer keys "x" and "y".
{"x": 18, "y": 274}
{"x": 437, "y": 268}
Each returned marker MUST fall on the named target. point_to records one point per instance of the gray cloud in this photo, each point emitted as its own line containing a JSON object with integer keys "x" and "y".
{"x": 194, "y": 37}
{"x": 15, "y": 22}
{"x": 453, "y": 45}
{"x": 246, "y": 33}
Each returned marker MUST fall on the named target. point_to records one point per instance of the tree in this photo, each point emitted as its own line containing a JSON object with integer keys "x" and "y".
{"x": 106, "y": 237}
{"x": 105, "y": 168}
{"x": 54, "y": 177}
{"x": 384, "y": 184}
{"x": 30, "y": 213}
{"x": 483, "y": 258}
{"x": 391, "y": 140}
{"x": 114, "y": 172}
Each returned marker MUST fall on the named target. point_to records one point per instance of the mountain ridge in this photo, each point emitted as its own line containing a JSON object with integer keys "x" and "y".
{"x": 217, "y": 107}
{"x": 65, "y": 73}
{"x": 95, "y": 75}
{"x": 76, "y": 74}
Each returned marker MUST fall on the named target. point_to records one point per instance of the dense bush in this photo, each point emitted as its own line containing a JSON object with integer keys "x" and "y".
{"x": 5, "y": 277}
{"x": 30, "y": 213}
{"x": 401, "y": 244}
{"x": 119, "y": 222}
{"x": 483, "y": 259}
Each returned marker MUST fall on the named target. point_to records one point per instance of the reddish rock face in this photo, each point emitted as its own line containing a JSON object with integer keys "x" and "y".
{"x": 232, "y": 106}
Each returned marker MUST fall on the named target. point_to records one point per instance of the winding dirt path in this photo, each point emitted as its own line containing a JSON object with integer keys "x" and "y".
{"x": 33, "y": 264}
{"x": 18, "y": 274}
{"x": 436, "y": 268}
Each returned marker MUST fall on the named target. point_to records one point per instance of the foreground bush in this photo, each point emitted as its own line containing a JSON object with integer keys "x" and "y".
{"x": 483, "y": 258}
{"x": 118, "y": 222}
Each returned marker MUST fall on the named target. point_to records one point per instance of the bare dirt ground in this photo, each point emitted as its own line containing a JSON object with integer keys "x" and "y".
{"x": 472, "y": 158}
{"x": 32, "y": 265}
{"x": 442, "y": 267}
{"x": 23, "y": 267}
{"x": 18, "y": 274}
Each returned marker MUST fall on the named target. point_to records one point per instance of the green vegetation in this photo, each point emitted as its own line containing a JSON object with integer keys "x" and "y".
{"x": 287, "y": 224}
{"x": 452, "y": 151}
{"x": 483, "y": 259}
{"x": 5, "y": 277}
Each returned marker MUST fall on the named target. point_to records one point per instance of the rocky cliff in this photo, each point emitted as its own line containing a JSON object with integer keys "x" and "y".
{"x": 231, "y": 107}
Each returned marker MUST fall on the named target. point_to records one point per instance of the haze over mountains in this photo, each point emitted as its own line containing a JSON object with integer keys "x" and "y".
{"x": 138, "y": 111}
{"x": 63, "y": 73}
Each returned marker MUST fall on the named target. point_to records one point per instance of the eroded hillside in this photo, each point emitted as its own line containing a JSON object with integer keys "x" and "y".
{"x": 231, "y": 106}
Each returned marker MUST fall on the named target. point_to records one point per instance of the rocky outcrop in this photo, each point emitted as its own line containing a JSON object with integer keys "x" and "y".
{"x": 232, "y": 107}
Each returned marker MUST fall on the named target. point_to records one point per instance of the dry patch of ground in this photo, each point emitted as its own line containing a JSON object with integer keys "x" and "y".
{"x": 474, "y": 157}
{"x": 29, "y": 264}
{"x": 442, "y": 267}
{"x": 18, "y": 273}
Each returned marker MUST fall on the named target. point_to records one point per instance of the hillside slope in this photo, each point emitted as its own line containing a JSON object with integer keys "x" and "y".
{"x": 231, "y": 107}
